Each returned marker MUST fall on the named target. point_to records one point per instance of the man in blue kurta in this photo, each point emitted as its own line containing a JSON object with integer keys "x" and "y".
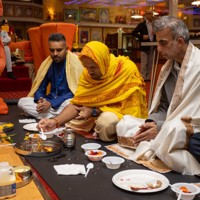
{"x": 55, "y": 83}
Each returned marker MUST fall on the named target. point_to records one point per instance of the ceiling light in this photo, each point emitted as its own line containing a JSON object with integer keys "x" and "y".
{"x": 137, "y": 16}
{"x": 195, "y": 3}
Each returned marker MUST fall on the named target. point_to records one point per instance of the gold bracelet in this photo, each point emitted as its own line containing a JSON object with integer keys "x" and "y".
{"x": 57, "y": 124}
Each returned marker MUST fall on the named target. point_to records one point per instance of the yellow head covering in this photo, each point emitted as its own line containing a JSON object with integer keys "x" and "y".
{"x": 121, "y": 88}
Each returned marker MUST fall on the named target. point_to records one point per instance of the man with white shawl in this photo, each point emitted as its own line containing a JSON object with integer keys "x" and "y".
{"x": 175, "y": 108}
{"x": 56, "y": 81}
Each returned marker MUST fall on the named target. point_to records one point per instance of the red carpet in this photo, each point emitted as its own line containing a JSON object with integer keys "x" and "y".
{"x": 15, "y": 89}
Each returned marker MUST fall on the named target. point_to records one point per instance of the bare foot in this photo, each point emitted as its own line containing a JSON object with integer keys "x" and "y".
{"x": 95, "y": 135}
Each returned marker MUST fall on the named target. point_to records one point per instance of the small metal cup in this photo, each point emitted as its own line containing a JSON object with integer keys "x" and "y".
{"x": 24, "y": 172}
{"x": 69, "y": 138}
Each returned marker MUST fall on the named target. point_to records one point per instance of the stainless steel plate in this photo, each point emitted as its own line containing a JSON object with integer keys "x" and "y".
{"x": 31, "y": 148}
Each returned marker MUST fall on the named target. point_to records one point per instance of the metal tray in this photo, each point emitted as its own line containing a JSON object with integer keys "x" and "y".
{"x": 30, "y": 148}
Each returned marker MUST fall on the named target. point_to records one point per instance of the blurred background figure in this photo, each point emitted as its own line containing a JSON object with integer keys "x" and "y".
{"x": 6, "y": 40}
{"x": 3, "y": 105}
{"x": 9, "y": 29}
{"x": 144, "y": 32}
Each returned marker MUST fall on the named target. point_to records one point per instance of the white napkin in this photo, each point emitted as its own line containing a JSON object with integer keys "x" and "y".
{"x": 70, "y": 169}
{"x": 26, "y": 121}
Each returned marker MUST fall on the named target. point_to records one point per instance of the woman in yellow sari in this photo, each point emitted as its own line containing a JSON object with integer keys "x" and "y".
{"x": 109, "y": 88}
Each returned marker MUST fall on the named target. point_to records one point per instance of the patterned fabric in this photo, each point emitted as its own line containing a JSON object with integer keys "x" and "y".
{"x": 121, "y": 89}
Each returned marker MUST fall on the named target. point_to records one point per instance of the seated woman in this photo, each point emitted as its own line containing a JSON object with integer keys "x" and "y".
{"x": 109, "y": 88}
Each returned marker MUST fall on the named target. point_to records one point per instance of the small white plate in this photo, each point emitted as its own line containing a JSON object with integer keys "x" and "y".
{"x": 31, "y": 127}
{"x": 56, "y": 131}
{"x": 126, "y": 179}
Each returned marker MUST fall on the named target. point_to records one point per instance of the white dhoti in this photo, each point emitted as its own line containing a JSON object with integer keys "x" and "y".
{"x": 29, "y": 107}
{"x": 171, "y": 147}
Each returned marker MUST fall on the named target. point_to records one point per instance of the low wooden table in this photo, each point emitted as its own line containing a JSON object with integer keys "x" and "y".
{"x": 29, "y": 191}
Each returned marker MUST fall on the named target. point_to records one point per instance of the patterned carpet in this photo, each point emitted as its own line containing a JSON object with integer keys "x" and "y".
{"x": 15, "y": 88}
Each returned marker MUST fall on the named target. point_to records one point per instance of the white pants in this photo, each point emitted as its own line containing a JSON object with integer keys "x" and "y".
{"x": 8, "y": 59}
{"x": 28, "y": 105}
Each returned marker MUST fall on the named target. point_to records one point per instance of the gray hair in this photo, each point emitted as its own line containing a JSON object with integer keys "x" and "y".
{"x": 177, "y": 26}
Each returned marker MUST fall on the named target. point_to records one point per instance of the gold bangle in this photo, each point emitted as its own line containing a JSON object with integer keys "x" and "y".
{"x": 57, "y": 124}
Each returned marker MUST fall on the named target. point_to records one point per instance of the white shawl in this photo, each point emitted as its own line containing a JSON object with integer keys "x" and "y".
{"x": 170, "y": 145}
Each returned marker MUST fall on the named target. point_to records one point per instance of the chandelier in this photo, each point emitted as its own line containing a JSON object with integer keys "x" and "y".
{"x": 136, "y": 15}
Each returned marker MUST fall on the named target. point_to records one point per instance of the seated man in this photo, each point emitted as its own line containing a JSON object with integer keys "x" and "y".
{"x": 109, "y": 88}
{"x": 177, "y": 96}
{"x": 6, "y": 40}
{"x": 62, "y": 70}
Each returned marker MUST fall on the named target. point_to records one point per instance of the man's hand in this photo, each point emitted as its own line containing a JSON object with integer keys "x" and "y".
{"x": 43, "y": 105}
{"x": 84, "y": 113}
{"x": 46, "y": 125}
{"x": 148, "y": 131}
{"x": 189, "y": 127}
{"x": 145, "y": 37}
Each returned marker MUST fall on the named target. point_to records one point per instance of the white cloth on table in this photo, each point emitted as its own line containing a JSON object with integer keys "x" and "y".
{"x": 70, "y": 169}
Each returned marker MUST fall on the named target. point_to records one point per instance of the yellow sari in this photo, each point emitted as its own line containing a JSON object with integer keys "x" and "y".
{"x": 121, "y": 89}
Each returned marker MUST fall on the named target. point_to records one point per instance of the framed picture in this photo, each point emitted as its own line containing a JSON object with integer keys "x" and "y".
{"x": 88, "y": 14}
{"x": 8, "y": 10}
{"x": 196, "y": 23}
{"x": 84, "y": 35}
{"x": 38, "y": 13}
{"x": 18, "y": 11}
{"x": 70, "y": 14}
{"x": 103, "y": 15}
{"x": 28, "y": 12}
{"x": 96, "y": 34}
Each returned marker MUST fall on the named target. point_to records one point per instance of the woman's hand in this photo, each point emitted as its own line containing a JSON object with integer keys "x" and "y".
{"x": 46, "y": 125}
{"x": 84, "y": 113}
{"x": 148, "y": 131}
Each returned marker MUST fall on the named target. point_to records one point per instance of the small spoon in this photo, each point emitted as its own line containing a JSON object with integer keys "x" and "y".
{"x": 42, "y": 135}
{"x": 177, "y": 190}
{"x": 179, "y": 196}
{"x": 89, "y": 166}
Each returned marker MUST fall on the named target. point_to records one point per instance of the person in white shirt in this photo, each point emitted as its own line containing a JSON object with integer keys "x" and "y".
{"x": 6, "y": 40}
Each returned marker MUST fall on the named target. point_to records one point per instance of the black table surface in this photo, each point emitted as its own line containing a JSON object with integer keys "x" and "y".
{"x": 98, "y": 184}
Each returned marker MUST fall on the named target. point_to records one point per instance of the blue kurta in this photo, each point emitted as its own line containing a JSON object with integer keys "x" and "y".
{"x": 60, "y": 91}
